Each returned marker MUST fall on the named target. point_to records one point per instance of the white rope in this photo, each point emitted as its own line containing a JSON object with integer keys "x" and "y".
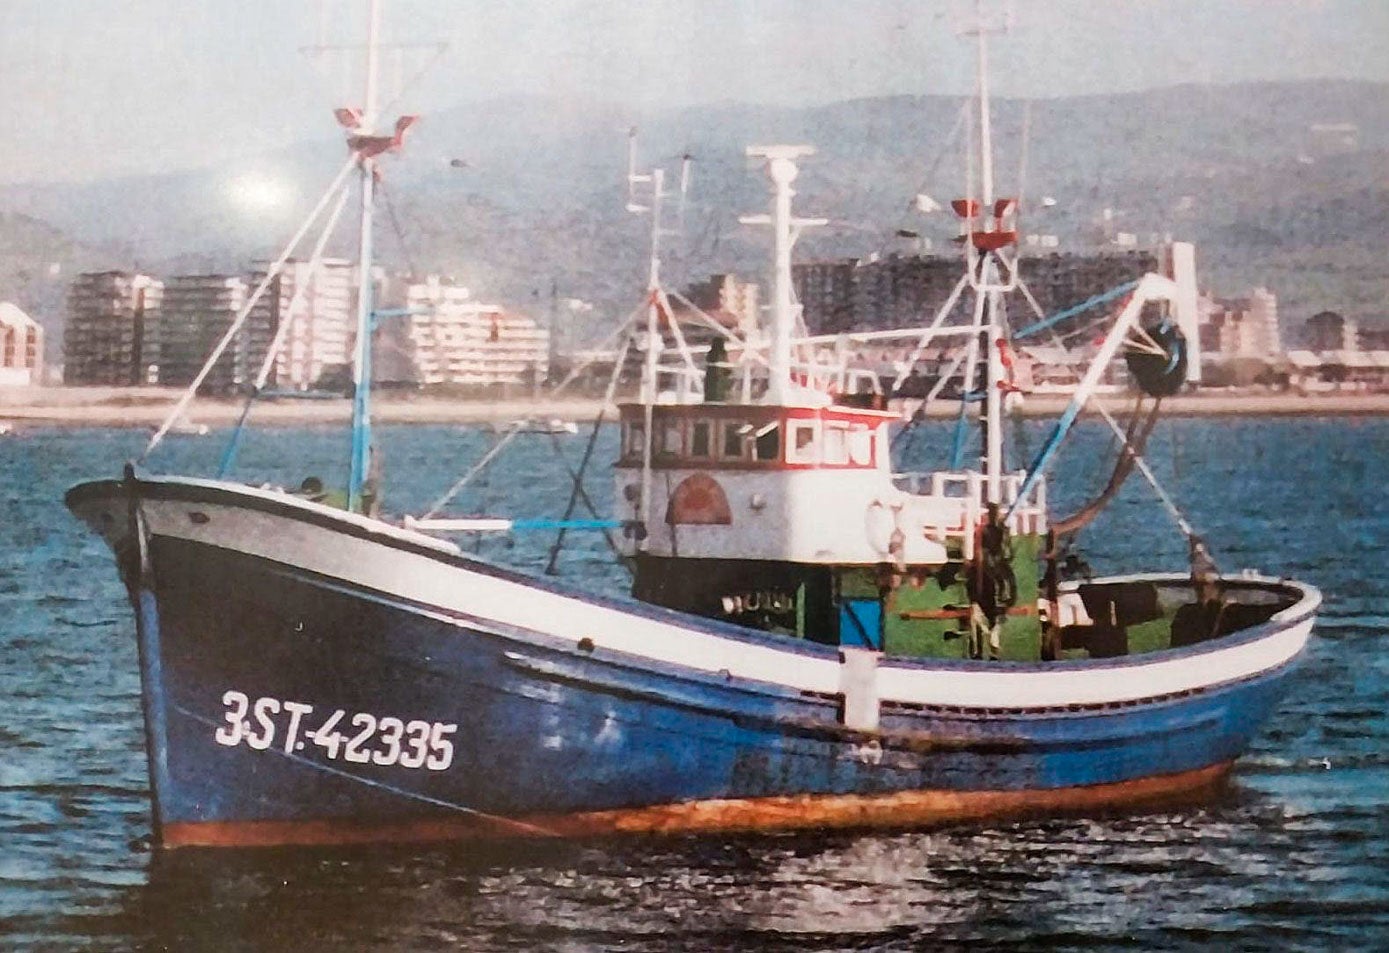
{"x": 675, "y": 331}
{"x": 477, "y": 468}
{"x": 945, "y": 377}
{"x": 928, "y": 333}
{"x": 580, "y": 368}
{"x": 496, "y": 449}
{"x": 706, "y": 317}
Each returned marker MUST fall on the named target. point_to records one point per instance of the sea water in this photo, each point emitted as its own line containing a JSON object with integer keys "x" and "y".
{"x": 1294, "y": 855}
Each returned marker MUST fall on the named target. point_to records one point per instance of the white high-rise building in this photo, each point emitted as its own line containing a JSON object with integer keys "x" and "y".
{"x": 321, "y": 330}
{"x": 452, "y": 339}
{"x": 1240, "y": 327}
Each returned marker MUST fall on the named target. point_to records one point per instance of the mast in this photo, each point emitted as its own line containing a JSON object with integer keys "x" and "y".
{"x": 654, "y": 342}
{"x": 987, "y": 282}
{"x": 653, "y": 287}
{"x": 781, "y": 169}
{"x": 986, "y": 154}
{"x": 360, "y": 465}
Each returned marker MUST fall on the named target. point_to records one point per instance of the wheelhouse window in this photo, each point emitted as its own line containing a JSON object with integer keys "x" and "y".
{"x": 633, "y": 439}
{"x": 767, "y": 442}
{"x": 860, "y": 445}
{"x": 803, "y": 445}
{"x": 847, "y": 444}
{"x": 700, "y": 444}
{"x": 835, "y": 443}
{"x": 731, "y": 446}
{"x": 670, "y": 443}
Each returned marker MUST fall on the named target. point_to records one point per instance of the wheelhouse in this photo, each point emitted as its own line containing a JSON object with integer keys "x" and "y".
{"x": 756, "y": 437}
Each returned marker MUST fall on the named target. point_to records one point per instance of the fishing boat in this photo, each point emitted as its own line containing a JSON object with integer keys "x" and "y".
{"x": 812, "y": 639}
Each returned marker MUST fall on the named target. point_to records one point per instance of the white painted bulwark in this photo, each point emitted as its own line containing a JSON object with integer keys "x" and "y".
{"x": 465, "y": 596}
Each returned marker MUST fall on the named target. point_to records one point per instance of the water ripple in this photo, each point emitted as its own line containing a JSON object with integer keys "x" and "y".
{"x": 1294, "y": 855}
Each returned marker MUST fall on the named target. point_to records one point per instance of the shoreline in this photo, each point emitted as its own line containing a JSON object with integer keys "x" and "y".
{"x": 146, "y": 407}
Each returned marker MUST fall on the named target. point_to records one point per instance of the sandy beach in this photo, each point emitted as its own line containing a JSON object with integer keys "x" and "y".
{"x": 149, "y": 406}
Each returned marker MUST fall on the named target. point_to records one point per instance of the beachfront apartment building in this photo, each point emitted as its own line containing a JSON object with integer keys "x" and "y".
{"x": 197, "y": 311}
{"x": 906, "y": 291}
{"x": 902, "y": 291}
{"x": 128, "y": 329}
{"x": 109, "y": 338}
{"x": 730, "y": 301}
{"x": 1329, "y": 331}
{"x": 1245, "y": 326}
{"x": 21, "y": 348}
{"x": 318, "y": 332}
{"x": 448, "y": 338}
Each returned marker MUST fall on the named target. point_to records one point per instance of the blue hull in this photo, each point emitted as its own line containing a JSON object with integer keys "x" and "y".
{"x": 544, "y": 732}
{"x": 315, "y": 677}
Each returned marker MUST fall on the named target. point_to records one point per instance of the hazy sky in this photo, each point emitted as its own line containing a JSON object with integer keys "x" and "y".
{"x": 98, "y": 87}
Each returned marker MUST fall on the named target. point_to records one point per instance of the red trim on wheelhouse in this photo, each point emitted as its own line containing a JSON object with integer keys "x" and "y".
{"x": 755, "y": 437}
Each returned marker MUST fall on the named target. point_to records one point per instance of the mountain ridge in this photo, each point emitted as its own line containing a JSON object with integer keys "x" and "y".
{"x": 519, "y": 195}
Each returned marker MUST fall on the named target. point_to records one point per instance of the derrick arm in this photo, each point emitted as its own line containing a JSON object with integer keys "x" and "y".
{"x": 1151, "y": 287}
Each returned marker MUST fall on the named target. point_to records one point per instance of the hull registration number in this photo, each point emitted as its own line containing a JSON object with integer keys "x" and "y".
{"x": 359, "y": 737}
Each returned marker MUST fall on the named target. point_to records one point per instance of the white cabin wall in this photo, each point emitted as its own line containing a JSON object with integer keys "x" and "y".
{"x": 816, "y": 516}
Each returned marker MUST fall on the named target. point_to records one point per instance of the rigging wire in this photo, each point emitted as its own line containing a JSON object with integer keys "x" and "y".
{"x": 945, "y": 147}
{"x": 1168, "y": 504}
{"x": 1023, "y": 151}
{"x": 577, "y": 488}
{"x": 235, "y": 326}
{"x": 491, "y": 454}
{"x": 1132, "y": 443}
{"x": 396, "y": 227}
{"x": 282, "y": 334}
{"x": 473, "y": 471}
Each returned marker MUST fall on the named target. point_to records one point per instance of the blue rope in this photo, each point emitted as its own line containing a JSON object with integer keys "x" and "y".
{"x": 565, "y": 524}
{"x": 1085, "y": 305}
{"x": 229, "y": 455}
{"x": 957, "y": 453}
{"x": 1034, "y": 472}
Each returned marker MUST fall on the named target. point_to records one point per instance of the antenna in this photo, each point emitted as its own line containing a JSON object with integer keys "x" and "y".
{"x": 685, "y": 161}
{"x": 641, "y": 200}
{"x": 336, "y": 62}
{"x": 633, "y": 179}
{"x": 782, "y": 170}
{"x": 989, "y": 224}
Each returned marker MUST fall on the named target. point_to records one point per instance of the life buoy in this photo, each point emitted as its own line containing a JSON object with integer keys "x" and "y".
{"x": 885, "y": 534}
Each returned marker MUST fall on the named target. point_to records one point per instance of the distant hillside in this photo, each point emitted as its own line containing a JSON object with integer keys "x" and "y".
{"x": 519, "y": 196}
{"x": 37, "y": 260}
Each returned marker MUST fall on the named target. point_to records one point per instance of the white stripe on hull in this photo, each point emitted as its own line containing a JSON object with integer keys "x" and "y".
{"x": 420, "y": 578}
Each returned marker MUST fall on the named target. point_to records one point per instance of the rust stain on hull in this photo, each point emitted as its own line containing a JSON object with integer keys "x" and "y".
{"x": 896, "y": 810}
